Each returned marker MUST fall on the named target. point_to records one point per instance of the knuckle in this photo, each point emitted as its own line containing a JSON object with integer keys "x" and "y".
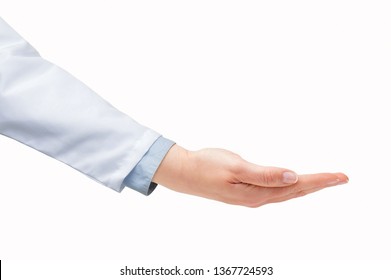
{"x": 296, "y": 189}
{"x": 302, "y": 193}
{"x": 237, "y": 165}
{"x": 267, "y": 177}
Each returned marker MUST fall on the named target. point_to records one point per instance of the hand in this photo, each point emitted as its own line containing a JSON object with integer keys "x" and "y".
{"x": 224, "y": 176}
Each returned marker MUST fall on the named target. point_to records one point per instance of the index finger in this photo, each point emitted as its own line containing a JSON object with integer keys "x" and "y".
{"x": 311, "y": 181}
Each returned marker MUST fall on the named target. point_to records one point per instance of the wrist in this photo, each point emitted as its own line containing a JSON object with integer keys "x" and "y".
{"x": 170, "y": 172}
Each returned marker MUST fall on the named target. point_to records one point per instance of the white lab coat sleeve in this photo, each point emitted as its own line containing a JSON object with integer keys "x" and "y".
{"x": 46, "y": 108}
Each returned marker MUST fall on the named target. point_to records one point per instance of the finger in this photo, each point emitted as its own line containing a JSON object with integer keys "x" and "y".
{"x": 294, "y": 195}
{"x": 306, "y": 183}
{"x": 266, "y": 176}
{"x": 255, "y": 196}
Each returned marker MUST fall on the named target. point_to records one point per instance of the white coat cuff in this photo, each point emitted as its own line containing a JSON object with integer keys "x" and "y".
{"x": 140, "y": 178}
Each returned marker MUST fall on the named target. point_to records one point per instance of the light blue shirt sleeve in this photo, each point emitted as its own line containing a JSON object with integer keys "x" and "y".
{"x": 140, "y": 178}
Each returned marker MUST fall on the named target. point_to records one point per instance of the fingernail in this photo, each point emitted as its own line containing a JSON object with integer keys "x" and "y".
{"x": 336, "y": 183}
{"x": 289, "y": 177}
{"x": 342, "y": 182}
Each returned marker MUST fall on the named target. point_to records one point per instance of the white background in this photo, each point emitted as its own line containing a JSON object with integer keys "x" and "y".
{"x": 298, "y": 84}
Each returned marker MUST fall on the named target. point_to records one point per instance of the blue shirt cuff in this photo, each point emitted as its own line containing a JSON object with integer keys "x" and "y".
{"x": 140, "y": 178}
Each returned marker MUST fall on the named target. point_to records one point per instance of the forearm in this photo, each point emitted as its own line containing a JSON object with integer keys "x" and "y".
{"x": 46, "y": 108}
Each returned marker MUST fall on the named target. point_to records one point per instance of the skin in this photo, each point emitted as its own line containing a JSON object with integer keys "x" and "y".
{"x": 224, "y": 176}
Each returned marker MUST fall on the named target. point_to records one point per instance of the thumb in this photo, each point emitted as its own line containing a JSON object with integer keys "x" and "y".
{"x": 266, "y": 176}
